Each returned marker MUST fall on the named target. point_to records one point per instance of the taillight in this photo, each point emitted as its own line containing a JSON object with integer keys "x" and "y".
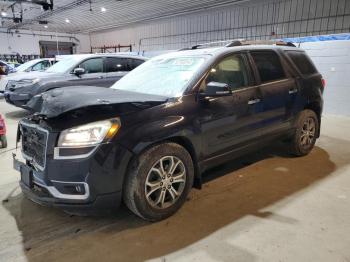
{"x": 323, "y": 82}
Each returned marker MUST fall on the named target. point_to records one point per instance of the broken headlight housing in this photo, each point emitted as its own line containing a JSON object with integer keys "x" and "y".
{"x": 89, "y": 134}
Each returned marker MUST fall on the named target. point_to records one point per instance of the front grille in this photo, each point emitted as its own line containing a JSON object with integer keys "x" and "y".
{"x": 34, "y": 140}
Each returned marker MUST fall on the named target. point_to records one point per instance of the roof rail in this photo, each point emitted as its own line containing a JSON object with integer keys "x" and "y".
{"x": 216, "y": 43}
{"x": 260, "y": 42}
{"x": 240, "y": 42}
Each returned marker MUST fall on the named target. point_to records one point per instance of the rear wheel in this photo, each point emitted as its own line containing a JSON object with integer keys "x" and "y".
{"x": 3, "y": 141}
{"x": 307, "y": 129}
{"x": 159, "y": 181}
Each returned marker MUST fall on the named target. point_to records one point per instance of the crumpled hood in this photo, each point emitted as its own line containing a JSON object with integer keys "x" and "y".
{"x": 61, "y": 100}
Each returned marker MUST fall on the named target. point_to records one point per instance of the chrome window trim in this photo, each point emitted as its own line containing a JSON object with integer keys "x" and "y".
{"x": 36, "y": 165}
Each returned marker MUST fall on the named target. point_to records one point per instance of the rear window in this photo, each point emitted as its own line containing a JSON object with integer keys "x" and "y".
{"x": 302, "y": 62}
{"x": 269, "y": 66}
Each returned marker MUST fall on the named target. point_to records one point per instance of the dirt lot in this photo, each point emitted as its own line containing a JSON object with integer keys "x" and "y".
{"x": 264, "y": 207}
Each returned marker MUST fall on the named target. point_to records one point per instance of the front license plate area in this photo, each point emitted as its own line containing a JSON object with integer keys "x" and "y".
{"x": 27, "y": 176}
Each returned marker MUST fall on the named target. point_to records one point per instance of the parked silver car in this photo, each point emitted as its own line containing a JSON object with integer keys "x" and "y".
{"x": 101, "y": 70}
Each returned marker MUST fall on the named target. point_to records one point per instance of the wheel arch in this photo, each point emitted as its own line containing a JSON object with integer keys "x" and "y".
{"x": 185, "y": 143}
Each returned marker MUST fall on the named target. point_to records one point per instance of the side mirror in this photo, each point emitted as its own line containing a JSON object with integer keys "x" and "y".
{"x": 216, "y": 89}
{"x": 79, "y": 71}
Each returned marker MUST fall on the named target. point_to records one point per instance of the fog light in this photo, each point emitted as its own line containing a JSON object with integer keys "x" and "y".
{"x": 79, "y": 189}
{"x": 70, "y": 188}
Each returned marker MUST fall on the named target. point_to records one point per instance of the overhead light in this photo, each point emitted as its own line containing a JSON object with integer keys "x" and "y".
{"x": 103, "y": 9}
{"x": 45, "y": 26}
{"x": 3, "y": 13}
{"x": 67, "y": 20}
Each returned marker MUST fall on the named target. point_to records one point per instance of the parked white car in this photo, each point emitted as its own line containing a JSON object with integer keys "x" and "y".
{"x": 30, "y": 66}
{"x": 36, "y": 65}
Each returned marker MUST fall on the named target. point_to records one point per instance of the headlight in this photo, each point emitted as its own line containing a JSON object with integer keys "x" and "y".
{"x": 22, "y": 83}
{"x": 90, "y": 134}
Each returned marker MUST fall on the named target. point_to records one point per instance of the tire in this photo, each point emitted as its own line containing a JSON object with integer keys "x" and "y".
{"x": 147, "y": 168}
{"x": 3, "y": 141}
{"x": 306, "y": 132}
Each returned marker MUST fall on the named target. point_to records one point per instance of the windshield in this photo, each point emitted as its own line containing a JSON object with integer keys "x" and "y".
{"x": 164, "y": 76}
{"x": 26, "y": 65}
{"x": 64, "y": 65}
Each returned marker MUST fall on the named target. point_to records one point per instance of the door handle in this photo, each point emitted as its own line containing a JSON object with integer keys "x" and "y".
{"x": 254, "y": 101}
{"x": 293, "y": 91}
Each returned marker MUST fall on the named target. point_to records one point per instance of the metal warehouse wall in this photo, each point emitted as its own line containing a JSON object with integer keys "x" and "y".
{"x": 332, "y": 59}
{"x": 264, "y": 19}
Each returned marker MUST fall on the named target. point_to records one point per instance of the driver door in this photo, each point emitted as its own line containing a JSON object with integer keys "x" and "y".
{"x": 94, "y": 73}
{"x": 229, "y": 121}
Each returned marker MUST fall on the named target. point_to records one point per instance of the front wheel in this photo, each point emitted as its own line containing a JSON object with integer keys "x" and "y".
{"x": 159, "y": 181}
{"x": 307, "y": 129}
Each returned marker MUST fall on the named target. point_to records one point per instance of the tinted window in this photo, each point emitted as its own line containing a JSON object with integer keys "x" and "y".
{"x": 115, "y": 64}
{"x": 137, "y": 62}
{"x": 302, "y": 62}
{"x": 94, "y": 65}
{"x": 269, "y": 66}
{"x": 231, "y": 71}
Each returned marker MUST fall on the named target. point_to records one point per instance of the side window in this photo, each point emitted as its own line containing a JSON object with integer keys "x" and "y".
{"x": 39, "y": 66}
{"x": 302, "y": 62}
{"x": 115, "y": 64}
{"x": 94, "y": 65}
{"x": 231, "y": 70}
{"x": 136, "y": 63}
{"x": 269, "y": 66}
{"x": 47, "y": 64}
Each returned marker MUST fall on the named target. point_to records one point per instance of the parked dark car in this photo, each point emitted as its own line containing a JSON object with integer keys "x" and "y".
{"x": 100, "y": 70}
{"x": 147, "y": 140}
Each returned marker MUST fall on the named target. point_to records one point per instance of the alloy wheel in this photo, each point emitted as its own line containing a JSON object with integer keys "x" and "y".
{"x": 165, "y": 182}
{"x": 308, "y": 132}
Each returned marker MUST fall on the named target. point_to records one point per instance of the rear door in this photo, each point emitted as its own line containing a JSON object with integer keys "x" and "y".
{"x": 277, "y": 88}
{"x": 228, "y": 122}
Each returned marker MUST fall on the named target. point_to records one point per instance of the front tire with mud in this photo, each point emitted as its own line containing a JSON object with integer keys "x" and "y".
{"x": 159, "y": 181}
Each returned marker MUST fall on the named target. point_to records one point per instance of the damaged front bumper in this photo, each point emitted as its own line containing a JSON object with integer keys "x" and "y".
{"x": 72, "y": 197}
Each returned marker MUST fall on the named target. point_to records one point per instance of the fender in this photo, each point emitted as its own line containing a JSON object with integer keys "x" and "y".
{"x": 177, "y": 129}
{"x": 166, "y": 129}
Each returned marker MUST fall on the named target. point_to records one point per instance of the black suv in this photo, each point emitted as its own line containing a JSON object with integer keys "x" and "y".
{"x": 147, "y": 140}
{"x": 101, "y": 70}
